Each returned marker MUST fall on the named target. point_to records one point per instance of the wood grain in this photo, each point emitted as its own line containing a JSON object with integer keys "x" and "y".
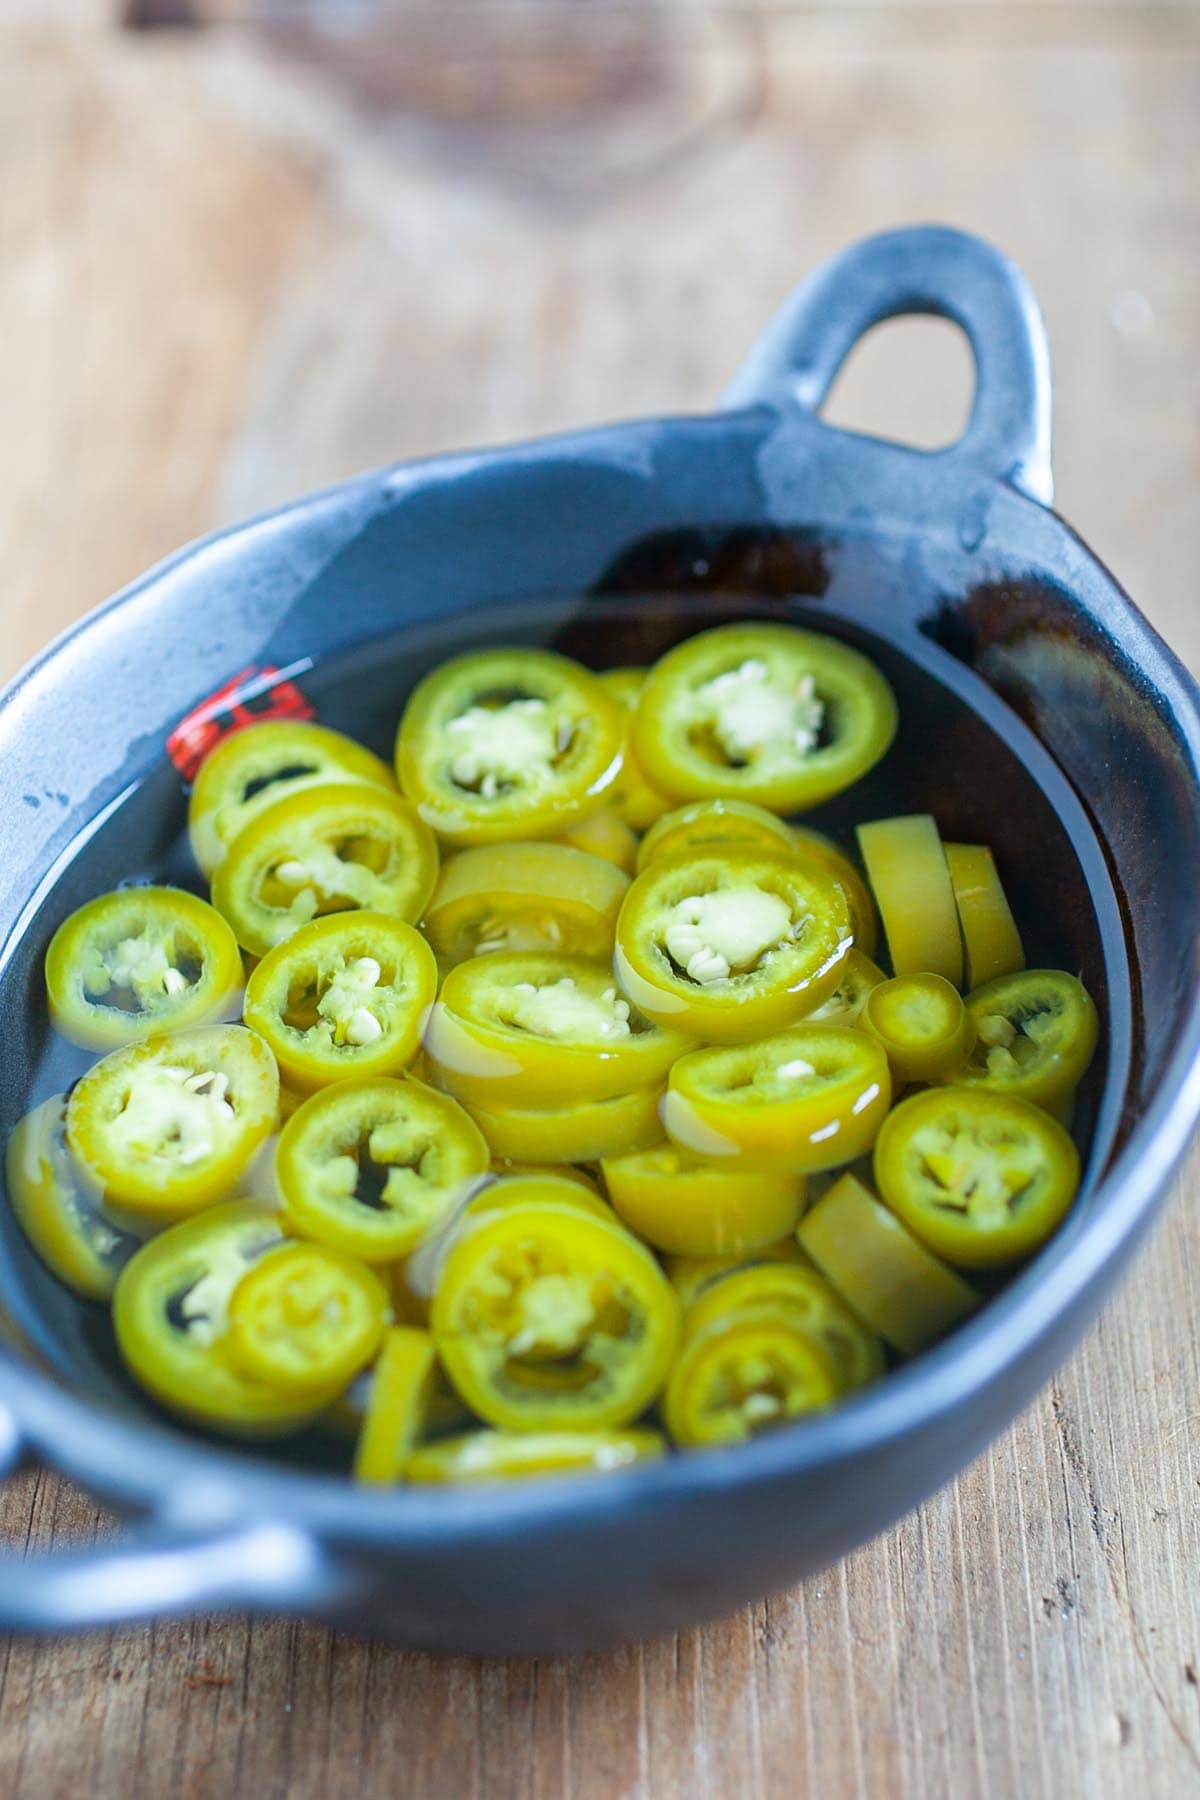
{"x": 234, "y": 268}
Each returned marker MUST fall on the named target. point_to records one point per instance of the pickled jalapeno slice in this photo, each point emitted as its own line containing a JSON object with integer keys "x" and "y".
{"x": 369, "y": 1166}
{"x": 1036, "y": 1033}
{"x": 923, "y": 1026}
{"x": 730, "y": 947}
{"x": 330, "y": 849}
{"x": 981, "y": 1177}
{"x": 486, "y": 1456}
{"x": 807, "y": 1099}
{"x": 799, "y": 1288}
{"x": 263, "y": 763}
{"x": 529, "y": 1030}
{"x": 883, "y": 1273}
{"x": 910, "y": 879}
{"x": 171, "y": 1316}
{"x": 583, "y": 1131}
{"x": 546, "y": 1318}
{"x": 307, "y": 1318}
{"x": 708, "y": 826}
{"x": 744, "y": 1373}
{"x": 991, "y": 942}
{"x": 698, "y": 1209}
{"x": 60, "y": 1208}
{"x": 508, "y": 743}
{"x": 346, "y": 995}
{"x": 762, "y": 712}
{"x": 166, "y": 1126}
{"x": 139, "y": 961}
{"x": 548, "y": 897}
{"x": 606, "y": 835}
{"x": 399, "y": 1402}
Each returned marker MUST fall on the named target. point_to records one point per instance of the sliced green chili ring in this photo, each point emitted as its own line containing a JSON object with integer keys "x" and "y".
{"x": 138, "y": 961}
{"x": 807, "y": 1099}
{"x": 983, "y": 1178}
{"x": 508, "y": 743}
{"x": 171, "y": 1317}
{"x": 747, "y": 1372}
{"x": 730, "y": 947}
{"x": 60, "y": 1208}
{"x": 1036, "y": 1033}
{"x": 884, "y": 1274}
{"x": 347, "y": 995}
{"x": 167, "y": 1126}
{"x": 547, "y": 1318}
{"x": 255, "y": 767}
{"x": 526, "y": 1029}
{"x": 762, "y": 712}
{"x": 487, "y": 1456}
{"x": 371, "y": 1167}
{"x": 330, "y": 849}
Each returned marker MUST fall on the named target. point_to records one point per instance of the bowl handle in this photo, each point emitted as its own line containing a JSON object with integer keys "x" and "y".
{"x": 921, "y": 269}
{"x": 161, "y": 1569}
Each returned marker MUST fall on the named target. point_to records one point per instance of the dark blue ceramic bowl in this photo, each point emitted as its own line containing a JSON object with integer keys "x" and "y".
{"x": 1039, "y": 707}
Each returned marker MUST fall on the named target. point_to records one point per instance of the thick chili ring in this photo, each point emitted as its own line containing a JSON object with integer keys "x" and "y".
{"x": 330, "y": 849}
{"x": 371, "y": 1166}
{"x": 805, "y": 1100}
{"x": 731, "y": 947}
{"x": 508, "y": 743}
{"x": 545, "y": 1317}
{"x": 138, "y": 961}
{"x": 525, "y": 1030}
{"x": 346, "y": 995}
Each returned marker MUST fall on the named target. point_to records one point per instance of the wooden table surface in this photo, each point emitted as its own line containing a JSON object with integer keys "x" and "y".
{"x": 242, "y": 260}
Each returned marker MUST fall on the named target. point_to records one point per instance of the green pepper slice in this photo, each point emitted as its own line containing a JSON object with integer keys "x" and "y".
{"x": 746, "y": 1372}
{"x": 763, "y": 712}
{"x": 923, "y": 1026}
{"x": 255, "y": 767}
{"x": 547, "y": 1318}
{"x": 981, "y": 1177}
{"x": 401, "y": 1396}
{"x": 167, "y": 1126}
{"x": 329, "y": 849}
{"x": 807, "y": 1099}
{"x": 854, "y": 1349}
{"x": 171, "y": 1317}
{"x": 708, "y": 826}
{"x": 59, "y": 1207}
{"x": 885, "y": 1274}
{"x": 490, "y": 1456}
{"x": 730, "y": 947}
{"x": 508, "y": 743}
{"x": 141, "y": 960}
{"x": 699, "y": 1209}
{"x": 371, "y": 1166}
{"x": 307, "y": 1318}
{"x": 501, "y": 897}
{"x": 1036, "y": 1033}
{"x": 524, "y": 1030}
{"x": 347, "y": 995}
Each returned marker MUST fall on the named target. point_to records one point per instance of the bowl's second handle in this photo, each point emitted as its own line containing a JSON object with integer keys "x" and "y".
{"x": 921, "y": 269}
{"x": 162, "y": 1569}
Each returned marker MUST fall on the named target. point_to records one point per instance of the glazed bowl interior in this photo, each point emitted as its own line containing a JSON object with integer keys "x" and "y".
{"x": 961, "y": 753}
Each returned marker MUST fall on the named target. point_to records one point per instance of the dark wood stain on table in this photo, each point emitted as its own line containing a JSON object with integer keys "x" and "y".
{"x": 245, "y": 259}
